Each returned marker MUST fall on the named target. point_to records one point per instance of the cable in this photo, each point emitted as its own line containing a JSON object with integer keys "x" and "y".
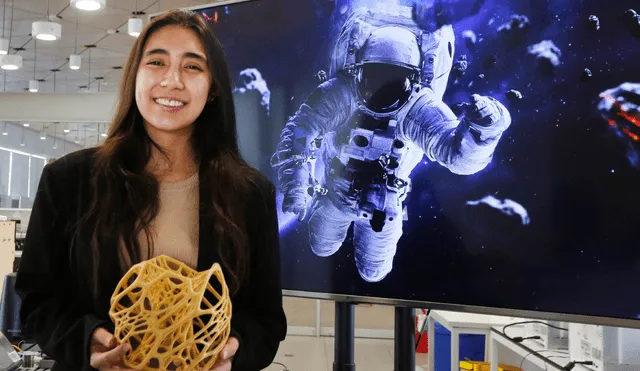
{"x": 520, "y": 339}
{"x": 280, "y": 364}
{"x": 4, "y": 11}
{"x": 538, "y": 352}
{"x": 16, "y": 347}
{"x": 504, "y": 329}
{"x": 424, "y": 324}
{"x": 30, "y": 347}
{"x": 573, "y": 364}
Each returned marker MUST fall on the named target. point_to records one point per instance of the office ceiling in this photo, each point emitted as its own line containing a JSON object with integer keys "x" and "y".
{"x": 97, "y": 72}
{"x": 93, "y": 28}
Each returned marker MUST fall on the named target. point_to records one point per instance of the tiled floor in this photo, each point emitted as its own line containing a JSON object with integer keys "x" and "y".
{"x": 302, "y": 353}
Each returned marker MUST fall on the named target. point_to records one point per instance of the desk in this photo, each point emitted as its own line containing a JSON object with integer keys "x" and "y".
{"x": 462, "y": 323}
{"x": 533, "y": 351}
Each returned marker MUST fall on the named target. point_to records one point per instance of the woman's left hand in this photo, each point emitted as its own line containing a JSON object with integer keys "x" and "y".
{"x": 226, "y": 356}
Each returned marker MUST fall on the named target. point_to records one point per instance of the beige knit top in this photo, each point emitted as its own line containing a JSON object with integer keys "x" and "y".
{"x": 175, "y": 230}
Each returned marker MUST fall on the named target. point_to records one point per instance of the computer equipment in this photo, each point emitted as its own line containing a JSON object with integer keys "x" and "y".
{"x": 609, "y": 348}
{"x": 9, "y": 358}
{"x": 10, "y": 323}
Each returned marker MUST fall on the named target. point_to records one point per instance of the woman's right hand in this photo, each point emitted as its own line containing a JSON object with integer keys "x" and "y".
{"x": 106, "y": 354}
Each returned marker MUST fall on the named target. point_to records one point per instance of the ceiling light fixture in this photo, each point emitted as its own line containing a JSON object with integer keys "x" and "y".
{"x": 33, "y": 84}
{"x": 134, "y": 26}
{"x": 46, "y": 30}
{"x": 89, "y": 5}
{"x": 75, "y": 60}
{"x": 11, "y": 62}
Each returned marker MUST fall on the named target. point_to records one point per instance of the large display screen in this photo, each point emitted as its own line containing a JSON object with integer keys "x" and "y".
{"x": 478, "y": 153}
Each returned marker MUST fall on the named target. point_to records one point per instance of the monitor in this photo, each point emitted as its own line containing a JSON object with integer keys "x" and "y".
{"x": 472, "y": 155}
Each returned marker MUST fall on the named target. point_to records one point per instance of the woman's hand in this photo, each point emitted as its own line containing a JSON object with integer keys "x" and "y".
{"x": 106, "y": 355}
{"x": 226, "y": 356}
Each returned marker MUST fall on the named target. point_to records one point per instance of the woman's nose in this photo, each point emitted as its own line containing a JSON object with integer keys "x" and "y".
{"x": 172, "y": 79}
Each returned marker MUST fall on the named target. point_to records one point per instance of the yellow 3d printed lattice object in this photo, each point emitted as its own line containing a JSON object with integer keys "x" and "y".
{"x": 159, "y": 307}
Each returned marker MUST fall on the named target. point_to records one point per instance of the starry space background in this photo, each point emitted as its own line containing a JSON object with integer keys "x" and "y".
{"x": 560, "y": 160}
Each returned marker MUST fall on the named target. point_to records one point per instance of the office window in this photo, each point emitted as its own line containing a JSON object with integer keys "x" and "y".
{"x": 19, "y": 179}
{"x": 5, "y": 157}
{"x": 37, "y": 164}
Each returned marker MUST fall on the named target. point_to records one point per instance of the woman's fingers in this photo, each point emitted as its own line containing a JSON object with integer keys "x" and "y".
{"x": 103, "y": 337}
{"x": 222, "y": 366}
{"x": 109, "y": 360}
{"x": 230, "y": 348}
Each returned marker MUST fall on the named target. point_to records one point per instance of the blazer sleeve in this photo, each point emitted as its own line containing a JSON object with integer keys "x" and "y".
{"x": 51, "y": 312}
{"x": 258, "y": 318}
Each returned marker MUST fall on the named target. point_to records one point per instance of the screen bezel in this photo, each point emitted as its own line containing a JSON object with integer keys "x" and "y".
{"x": 507, "y": 312}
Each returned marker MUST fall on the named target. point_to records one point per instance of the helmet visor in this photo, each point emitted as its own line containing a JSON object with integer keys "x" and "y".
{"x": 384, "y": 88}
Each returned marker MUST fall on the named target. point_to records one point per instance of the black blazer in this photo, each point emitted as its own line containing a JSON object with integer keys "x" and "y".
{"x": 60, "y": 312}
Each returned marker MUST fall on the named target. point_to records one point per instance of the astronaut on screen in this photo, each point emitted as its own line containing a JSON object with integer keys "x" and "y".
{"x": 347, "y": 154}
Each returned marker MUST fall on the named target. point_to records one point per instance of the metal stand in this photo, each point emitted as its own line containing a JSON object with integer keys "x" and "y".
{"x": 344, "y": 349}
{"x": 404, "y": 340}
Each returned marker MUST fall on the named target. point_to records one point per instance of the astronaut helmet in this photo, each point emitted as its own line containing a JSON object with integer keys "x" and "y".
{"x": 388, "y": 67}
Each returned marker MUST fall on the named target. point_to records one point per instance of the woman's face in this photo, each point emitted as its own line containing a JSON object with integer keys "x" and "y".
{"x": 173, "y": 80}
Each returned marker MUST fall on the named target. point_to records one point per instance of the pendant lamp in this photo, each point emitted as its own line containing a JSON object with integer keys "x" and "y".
{"x": 89, "y": 5}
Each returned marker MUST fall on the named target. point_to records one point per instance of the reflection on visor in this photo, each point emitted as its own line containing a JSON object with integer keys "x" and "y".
{"x": 384, "y": 88}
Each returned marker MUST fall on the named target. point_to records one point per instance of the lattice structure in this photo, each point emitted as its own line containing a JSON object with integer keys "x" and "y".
{"x": 159, "y": 307}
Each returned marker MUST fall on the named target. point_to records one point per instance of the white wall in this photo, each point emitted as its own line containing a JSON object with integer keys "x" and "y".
{"x": 57, "y": 107}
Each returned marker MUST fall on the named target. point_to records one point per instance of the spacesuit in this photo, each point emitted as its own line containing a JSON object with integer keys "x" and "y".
{"x": 347, "y": 154}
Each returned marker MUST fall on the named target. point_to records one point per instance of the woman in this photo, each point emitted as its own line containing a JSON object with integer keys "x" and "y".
{"x": 168, "y": 180}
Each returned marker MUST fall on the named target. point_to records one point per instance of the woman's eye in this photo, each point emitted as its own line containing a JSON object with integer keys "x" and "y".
{"x": 155, "y": 63}
{"x": 194, "y": 67}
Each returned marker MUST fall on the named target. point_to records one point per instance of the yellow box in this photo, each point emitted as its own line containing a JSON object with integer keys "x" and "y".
{"x": 474, "y": 366}
{"x": 485, "y": 366}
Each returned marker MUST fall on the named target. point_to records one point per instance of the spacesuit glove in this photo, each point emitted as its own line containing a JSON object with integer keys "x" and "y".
{"x": 486, "y": 115}
{"x": 487, "y": 112}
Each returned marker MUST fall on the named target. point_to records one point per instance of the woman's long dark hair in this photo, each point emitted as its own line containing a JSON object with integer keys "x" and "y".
{"x": 125, "y": 195}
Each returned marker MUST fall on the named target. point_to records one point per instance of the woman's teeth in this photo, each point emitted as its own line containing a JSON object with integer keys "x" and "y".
{"x": 170, "y": 103}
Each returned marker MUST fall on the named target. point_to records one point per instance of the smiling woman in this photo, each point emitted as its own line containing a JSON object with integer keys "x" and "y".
{"x": 169, "y": 180}
{"x": 173, "y": 77}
